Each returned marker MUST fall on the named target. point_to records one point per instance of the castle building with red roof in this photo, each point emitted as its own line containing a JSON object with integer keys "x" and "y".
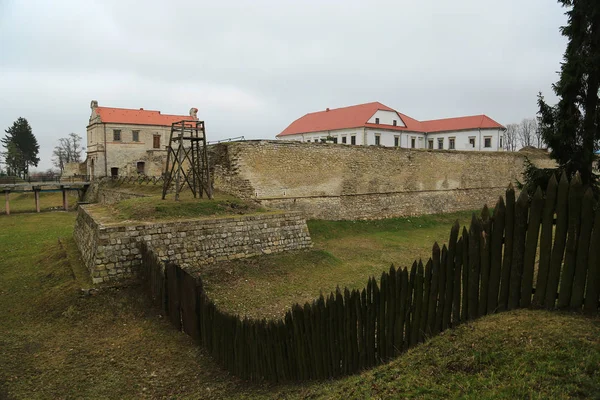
{"x": 379, "y": 125}
{"x": 125, "y": 142}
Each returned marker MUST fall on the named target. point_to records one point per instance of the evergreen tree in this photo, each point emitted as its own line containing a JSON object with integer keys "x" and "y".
{"x": 21, "y": 148}
{"x": 571, "y": 128}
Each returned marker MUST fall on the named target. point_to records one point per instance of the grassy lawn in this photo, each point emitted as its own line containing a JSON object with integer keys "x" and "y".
{"x": 57, "y": 343}
{"x": 345, "y": 253}
{"x": 153, "y": 208}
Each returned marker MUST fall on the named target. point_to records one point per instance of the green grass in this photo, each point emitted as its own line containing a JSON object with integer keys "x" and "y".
{"x": 25, "y": 201}
{"x": 153, "y": 208}
{"x": 345, "y": 253}
{"x": 56, "y": 343}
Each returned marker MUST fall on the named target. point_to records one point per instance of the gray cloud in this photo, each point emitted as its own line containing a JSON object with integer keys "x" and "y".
{"x": 253, "y": 67}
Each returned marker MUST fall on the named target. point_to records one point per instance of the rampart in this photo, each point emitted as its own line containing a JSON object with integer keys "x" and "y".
{"x": 112, "y": 251}
{"x": 330, "y": 181}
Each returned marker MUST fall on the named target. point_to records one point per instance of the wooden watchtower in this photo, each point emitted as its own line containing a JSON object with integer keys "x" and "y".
{"x": 187, "y": 160}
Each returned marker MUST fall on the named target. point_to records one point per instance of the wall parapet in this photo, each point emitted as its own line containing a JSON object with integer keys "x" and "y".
{"x": 337, "y": 181}
{"x": 112, "y": 251}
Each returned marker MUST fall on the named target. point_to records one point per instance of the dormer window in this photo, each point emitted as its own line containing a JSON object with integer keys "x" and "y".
{"x": 394, "y": 123}
{"x": 376, "y": 120}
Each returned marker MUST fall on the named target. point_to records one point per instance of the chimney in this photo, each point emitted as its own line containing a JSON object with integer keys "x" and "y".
{"x": 94, "y": 104}
{"x": 194, "y": 113}
{"x": 327, "y": 109}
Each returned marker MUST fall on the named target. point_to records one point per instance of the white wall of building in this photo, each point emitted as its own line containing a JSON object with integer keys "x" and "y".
{"x": 358, "y": 133}
{"x": 462, "y": 139}
{"x": 386, "y": 118}
{"x": 367, "y": 136}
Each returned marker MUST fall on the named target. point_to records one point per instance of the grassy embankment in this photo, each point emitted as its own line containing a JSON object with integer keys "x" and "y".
{"x": 58, "y": 344}
{"x": 153, "y": 208}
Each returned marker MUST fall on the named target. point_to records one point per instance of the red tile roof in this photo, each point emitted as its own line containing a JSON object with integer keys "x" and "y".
{"x": 460, "y": 123}
{"x": 358, "y": 116}
{"x": 138, "y": 117}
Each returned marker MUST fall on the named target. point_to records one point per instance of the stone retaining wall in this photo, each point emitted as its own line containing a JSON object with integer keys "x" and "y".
{"x": 336, "y": 181}
{"x": 112, "y": 251}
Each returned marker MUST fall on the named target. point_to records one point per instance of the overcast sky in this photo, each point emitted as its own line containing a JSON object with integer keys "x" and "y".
{"x": 252, "y": 67}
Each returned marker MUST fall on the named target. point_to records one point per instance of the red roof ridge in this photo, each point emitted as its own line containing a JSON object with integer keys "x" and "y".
{"x": 358, "y": 115}
{"x": 462, "y": 116}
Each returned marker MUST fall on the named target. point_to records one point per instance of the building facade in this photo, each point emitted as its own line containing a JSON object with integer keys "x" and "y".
{"x": 374, "y": 124}
{"x": 125, "y": 142}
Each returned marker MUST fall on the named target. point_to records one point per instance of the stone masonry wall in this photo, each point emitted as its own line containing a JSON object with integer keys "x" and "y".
{"x": 112, "y": 251}
{"x": 332, "y": 181}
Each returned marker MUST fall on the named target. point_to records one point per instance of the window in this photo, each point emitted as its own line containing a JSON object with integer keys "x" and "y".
{"x": 114, "y": 172}
{"x": 135, "y": 136}
{"x": 376, "y": 120}
{"x": 472, "y": 142}
{"x": 344, "y": 139}
{"x": 335, "y": 139}
{"x": 412, "y": 142}
{"x": 394, "y": 122}
{"x": 307, "y": 140}
{"x": 501, "y": 137}
{"x": 396, "y": 141}
{"x": 451, "y": 143}
{"x": 116, "y": 135}
{"x": 156, "y": 142}
{"x": 487, "y": 142}
{"x": 141, "y": 167}
{"x": 430, "y": 144}
{"x": 353, "y": 139}
{"x": 440, "y": 143}
{"x": 377, "y": 140}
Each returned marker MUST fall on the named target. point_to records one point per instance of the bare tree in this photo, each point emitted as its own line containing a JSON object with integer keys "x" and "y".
{"x": 510, "y": 142}
{"x": 68, "y": 151}
{"x": 527, "y": 130}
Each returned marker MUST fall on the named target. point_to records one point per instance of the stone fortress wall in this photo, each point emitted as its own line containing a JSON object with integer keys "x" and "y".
{"x": 112, "y": 251}
{"x": 342, "y": 182}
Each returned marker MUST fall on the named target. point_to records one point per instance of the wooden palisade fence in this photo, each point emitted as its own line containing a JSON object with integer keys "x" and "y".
{"x": 488, "y": 268}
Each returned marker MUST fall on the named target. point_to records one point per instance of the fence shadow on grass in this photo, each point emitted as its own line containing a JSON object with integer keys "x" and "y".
{"x": 486, "y": 269}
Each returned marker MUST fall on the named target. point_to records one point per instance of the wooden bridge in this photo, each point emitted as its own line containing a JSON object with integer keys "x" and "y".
{"x": 41, "y": 186}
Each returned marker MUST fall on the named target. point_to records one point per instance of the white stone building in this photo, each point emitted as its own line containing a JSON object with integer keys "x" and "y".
{"x": 124, "y": 142}
{"x": 380, "y": 125}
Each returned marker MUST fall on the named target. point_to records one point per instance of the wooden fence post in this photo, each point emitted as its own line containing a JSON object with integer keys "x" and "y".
{"x": 583, "y": 245}
{"x": 516, "y": 273}
{"x": 568, "y": 272}
{"x": 450, "y": 265}
{"x": 546, "y": 242}
{"x": 474, "y": 268}
{"x": 560, "y": 237}
{"x": 531, "y": 246}
{"x": 496, "y": 255}
{"x": 441, "y": 295}
{"x": 508, "y": 248}
{"x": 423, "y": 326}
{"x": 593, "y": 279}
{"x": 484, "y": 251}
{"x": 456, "y": 291}
{"x": 418, "y": 305}
{"x": 465, "y": 276}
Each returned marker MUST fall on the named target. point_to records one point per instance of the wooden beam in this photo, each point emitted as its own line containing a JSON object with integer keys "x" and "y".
{"x": 7, "y": 196}
{"x": 65, "y": 199}
{"x": 36, "y": 192}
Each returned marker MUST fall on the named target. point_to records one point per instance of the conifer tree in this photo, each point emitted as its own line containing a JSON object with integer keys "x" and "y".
{"x": 21, "y": 148}
{"x": 571, "y": 128}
